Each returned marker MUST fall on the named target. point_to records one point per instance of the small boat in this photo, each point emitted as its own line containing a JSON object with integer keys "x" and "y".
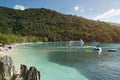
{"x": 76, "y": 43}
{"x": 94, "y": 43}
{"x": 88, "y": 51}
{"x": 9, "y": 47}
{"x": 70, "y": 43}
{"x": 96, "y": 48}
{"x": 111, "y": 50}
{"x": 79, "y": 43}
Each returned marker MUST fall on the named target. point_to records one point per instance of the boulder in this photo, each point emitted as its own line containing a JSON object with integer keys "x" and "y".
{"x": 1, "y": 70}
{"x": 6, "y": 68}
{"x": 33, "y": 74}
{"x": 7, "y": 71}
{"x": 23, "y": 73}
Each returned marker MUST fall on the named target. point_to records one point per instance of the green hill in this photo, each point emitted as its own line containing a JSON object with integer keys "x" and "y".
{"x": 48, "y": 25}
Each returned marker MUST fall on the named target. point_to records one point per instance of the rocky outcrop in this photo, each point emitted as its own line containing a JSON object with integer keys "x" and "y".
{"x": 7, "y": 71}
{"x": 23, "y": 73}
{"x": 31, "y": 74}
{"x": 6, "y": 68}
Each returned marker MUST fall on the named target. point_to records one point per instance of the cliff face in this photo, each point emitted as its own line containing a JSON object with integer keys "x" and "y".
{"x": 7, "y": 71}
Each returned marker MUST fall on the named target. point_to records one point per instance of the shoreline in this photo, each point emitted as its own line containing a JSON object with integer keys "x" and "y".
{"x": 5, "y": 50}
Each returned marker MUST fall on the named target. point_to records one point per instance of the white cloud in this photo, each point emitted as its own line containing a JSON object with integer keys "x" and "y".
{"x": 19, "y": 7}
{"x": 108, "y": 14}
{"x": 76, "y": 8}
{"x": 79, "y": 8}
{"x": 82, "y": 10}
{"x": 91, "y": 9}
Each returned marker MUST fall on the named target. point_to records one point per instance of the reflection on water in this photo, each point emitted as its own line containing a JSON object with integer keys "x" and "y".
{"x": 61, "y": 61}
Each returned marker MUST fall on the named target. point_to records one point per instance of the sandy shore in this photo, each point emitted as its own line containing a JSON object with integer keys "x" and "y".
{"x": 5, "y": 50}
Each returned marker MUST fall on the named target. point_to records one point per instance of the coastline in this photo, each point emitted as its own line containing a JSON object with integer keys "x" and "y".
{"x": 9, "y": 67}
{"x": 8, "y": 71}
{"x": 5, "y": 50}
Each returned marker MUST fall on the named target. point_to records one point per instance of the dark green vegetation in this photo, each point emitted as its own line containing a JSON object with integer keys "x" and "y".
{"x": 48, "y": 25}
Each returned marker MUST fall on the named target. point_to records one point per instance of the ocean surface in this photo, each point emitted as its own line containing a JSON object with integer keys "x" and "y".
{"x": 55, "y": 61}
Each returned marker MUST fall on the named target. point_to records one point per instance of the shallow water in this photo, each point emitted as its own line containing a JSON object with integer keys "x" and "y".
{"x": 56, "y": 62}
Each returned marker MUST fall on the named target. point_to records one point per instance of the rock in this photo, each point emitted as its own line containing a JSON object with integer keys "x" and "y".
{"x": 1, "y": 70}
{"x": 33, "y": 74}
{"x": 6, "y": 68}
{"x": 7, "y": 71}
{"x": 23, "y": 73}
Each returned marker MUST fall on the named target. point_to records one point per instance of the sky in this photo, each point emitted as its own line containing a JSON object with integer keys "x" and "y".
{"x": 104, "y": 10}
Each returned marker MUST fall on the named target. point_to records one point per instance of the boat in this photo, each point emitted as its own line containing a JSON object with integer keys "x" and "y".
{"x": 9, "y": 47}
{"x": 96, "y": 48}
{"x": 76, "y": 43}
{"x": 88, "y": 51}
{"x": 94, "y": 43}
{"x": 79, "y": 43}
{"x": 82, "y": 42}
{"x": 112, "y": 50}
{"x": 70, "y": 43}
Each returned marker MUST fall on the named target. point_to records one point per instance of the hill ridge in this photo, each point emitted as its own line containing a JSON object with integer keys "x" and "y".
{"x": 55, "y": 26}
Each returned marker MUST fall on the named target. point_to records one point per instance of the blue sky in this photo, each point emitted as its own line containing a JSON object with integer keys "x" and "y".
{"x": 105, "y": 10}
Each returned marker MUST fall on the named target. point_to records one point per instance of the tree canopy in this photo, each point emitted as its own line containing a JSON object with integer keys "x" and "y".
{"x": 48, "y": 25}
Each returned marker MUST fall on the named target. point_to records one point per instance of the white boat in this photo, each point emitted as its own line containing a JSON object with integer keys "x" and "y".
{"x": 112, "y": 50}
{"x": 76, "y": 43}
{"x": 94, "y": 43}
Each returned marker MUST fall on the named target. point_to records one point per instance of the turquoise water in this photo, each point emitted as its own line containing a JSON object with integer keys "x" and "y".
{"x": 56, "y": 62}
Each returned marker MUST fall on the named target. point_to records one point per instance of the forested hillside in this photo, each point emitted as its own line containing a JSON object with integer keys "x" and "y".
{"x": 48, "y": 25}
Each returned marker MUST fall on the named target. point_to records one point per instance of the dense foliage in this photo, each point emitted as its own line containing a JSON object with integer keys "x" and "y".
{"x": 48, "y": 25}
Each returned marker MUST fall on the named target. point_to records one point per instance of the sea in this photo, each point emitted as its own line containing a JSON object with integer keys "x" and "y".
{"x": 56, "y": 61}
